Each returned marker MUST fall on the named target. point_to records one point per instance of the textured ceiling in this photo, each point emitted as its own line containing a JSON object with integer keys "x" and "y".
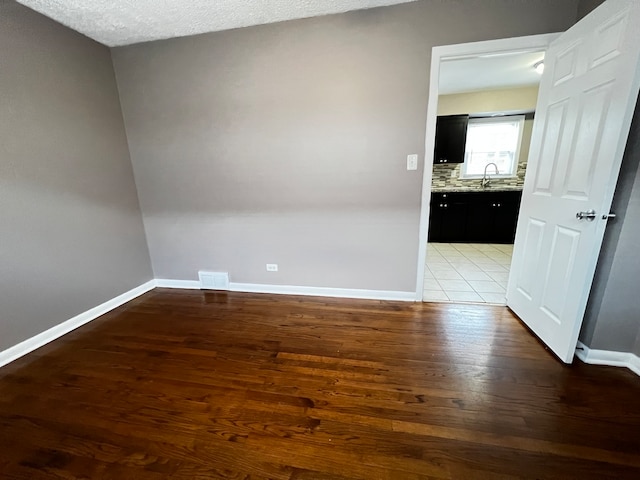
{"x": 123, "y": 22}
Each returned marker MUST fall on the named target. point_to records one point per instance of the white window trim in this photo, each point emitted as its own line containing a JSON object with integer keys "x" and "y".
{"x": 498, "y": 119}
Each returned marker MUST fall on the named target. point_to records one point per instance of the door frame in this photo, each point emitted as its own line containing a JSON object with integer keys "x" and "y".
{"x": 450, "y": 52}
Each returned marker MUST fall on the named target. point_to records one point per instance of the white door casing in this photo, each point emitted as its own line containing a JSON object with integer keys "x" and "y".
{"x": 587, "y": 97}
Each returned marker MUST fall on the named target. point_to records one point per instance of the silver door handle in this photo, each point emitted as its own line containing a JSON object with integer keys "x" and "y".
{"x": 608, "y": 216}
{"x": 589, "y": 215}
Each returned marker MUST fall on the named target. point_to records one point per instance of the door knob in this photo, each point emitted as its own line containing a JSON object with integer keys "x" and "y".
{"x": 589, "y": 215}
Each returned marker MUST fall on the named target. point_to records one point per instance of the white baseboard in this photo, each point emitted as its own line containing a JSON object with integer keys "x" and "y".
{"x": 324, "y": 292}
{"x": 295, "y": 290}
{"x": 187, "y": 284}
{"x": 608, "y": 357}
{"x": 634, "y": 364}
{"x": 33, "y": 343}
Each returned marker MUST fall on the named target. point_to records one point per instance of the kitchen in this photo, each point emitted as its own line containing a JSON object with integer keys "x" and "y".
{"x": 485, "y": 118}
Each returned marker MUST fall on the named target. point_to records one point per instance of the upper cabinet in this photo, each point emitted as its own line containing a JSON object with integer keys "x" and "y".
{"x": 451, "y": 138}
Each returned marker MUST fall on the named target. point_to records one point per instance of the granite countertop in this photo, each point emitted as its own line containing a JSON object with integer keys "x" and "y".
{"x": 476, "y": 188}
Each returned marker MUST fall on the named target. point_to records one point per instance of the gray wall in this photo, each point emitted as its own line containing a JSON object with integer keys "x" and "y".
{"x": 287, "y": 143}
{"x": 612, "y": 319}
{"x": 71, "y": 234}
{"x": 585, "y": 7}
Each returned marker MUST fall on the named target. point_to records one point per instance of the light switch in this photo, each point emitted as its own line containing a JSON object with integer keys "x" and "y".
{"x": 412, "y": 162}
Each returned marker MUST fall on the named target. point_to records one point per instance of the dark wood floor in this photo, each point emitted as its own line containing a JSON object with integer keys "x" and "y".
{"x": 194, "y": 385}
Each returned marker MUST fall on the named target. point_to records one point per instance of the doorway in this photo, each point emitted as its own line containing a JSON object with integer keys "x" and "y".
{"x": 486, "y": 106}
{"x": 488, "y": 83}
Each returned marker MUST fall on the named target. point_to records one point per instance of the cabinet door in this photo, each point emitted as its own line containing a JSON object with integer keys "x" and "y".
{"x": 506, "y": 206}
{"x": 480, "y": 221}
{"x": 447, "y": 220}
{"x": 435, "y": 218}
{"x": 451, "y": 139}
{"x": 453, "y": 226}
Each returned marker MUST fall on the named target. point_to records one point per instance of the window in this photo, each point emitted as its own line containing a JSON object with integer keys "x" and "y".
{"x": 492, "y": 140}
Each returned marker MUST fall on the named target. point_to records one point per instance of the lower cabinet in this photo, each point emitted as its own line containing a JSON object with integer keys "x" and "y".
{"x": 446, "y": 212}
{"x": 474, "y": 217}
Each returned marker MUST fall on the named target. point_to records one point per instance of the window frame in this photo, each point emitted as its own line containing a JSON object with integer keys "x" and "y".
{"x": 520, "y": 119}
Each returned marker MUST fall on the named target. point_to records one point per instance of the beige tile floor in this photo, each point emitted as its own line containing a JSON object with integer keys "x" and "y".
{"x": 467, "y": 272}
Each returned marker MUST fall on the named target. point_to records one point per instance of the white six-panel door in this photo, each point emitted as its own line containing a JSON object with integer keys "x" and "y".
{"x": 587, "y": 97}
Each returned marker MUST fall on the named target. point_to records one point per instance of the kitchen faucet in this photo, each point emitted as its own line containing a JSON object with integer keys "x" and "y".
{"x": 486, "y": 180}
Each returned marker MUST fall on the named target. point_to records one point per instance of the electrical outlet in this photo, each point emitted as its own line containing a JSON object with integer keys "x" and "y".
{"x": 412, "y": 162}
{"x": 272, "y": 267}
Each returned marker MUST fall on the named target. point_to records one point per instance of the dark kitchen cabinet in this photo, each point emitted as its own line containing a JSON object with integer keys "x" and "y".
{"x": 448, "y": 214}
{"x": 492, "y": 216}
{"x": 474, "y": 217}
{"x": 505, "y": 218}
{"x": 451, "y": 139}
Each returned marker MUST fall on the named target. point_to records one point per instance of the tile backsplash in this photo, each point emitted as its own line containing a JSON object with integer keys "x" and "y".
{"x": 443, "y": 181}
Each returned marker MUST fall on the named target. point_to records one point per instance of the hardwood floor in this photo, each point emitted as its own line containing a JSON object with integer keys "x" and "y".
{"x": 194, "y": 385}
